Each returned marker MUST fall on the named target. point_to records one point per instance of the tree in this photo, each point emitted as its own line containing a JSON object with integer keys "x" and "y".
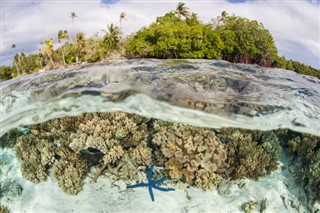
{"x": 47, "y": 49}
{"x": 63, "y": 35}
{"x": 122, "y": 17}
{"x": 73, "y": 16}
{"x": 112, "y": 37}
{"x": 181, "y": 10}
{"x": 5, "y": 73}
{"x": 80, "y": 45}
{"x": 172, "y": 37}
{"x": 245, "y": 41}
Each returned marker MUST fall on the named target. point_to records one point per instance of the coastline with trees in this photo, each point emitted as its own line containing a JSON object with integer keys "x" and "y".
{"x": 176, "y": 35}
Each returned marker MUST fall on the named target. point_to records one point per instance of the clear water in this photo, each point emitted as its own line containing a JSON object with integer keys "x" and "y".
{"x": 206, "y": 93}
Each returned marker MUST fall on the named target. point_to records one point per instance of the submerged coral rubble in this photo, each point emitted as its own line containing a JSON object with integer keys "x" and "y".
{"x": 119, "y": 143}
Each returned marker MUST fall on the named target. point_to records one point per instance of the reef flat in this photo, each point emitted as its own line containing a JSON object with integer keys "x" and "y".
{"x": 96, "y": 146}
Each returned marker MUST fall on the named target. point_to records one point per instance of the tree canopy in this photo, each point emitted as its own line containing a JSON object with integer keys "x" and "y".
{"x": 177, "y": 34}
{"x": 235, "y": 39}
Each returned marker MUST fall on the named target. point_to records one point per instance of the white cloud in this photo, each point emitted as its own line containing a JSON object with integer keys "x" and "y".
{"x": 27, "y": 24}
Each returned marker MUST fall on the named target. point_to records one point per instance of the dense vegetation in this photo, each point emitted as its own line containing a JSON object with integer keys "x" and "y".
{"x": 177, "y": 34}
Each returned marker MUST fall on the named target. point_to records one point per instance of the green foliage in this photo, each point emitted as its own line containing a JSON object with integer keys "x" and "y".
{"x": 172, "y": 37}
{"x": 245, "y": 41}
{"x": 177, "y": 34}
{"x": 5, "y": 72}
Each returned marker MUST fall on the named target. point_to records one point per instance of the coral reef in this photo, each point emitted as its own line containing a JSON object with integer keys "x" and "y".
{"x": 3, "y": 209}
{"x": 141, "y": 155}
{"x": 119, "y": 143}
{"x": 9, "y": 139}
{"x": 250, "y": 206}
{"x": 250, "y": 153}
{"x": 115, "y": 135}
{"x": 69, "y": 170}
{"x": 306, "y": 149}
{"x": 36, "y": 155}
{"x": 189, "y": 149}
{"x": 206, "y": 180}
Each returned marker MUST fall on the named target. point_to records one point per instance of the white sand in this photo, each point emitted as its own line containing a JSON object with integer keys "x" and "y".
{"x": 110, "y": 195}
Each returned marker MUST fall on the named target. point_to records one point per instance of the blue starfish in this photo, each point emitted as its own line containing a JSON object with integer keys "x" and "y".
{"x": 152, "y": 184}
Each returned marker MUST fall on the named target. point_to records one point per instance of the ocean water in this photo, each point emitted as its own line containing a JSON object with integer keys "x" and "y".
{"x": 202, "y": 93}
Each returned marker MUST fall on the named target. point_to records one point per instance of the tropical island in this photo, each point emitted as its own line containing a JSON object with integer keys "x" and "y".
{"x": 178, "y": 34}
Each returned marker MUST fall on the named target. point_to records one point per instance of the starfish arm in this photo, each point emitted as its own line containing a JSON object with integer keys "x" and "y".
{"x": 150, "y": 173}
{"x": 151, "y": 192}
{"x": 163, "y": 189}
{"x": 137, "y": 185}
{"x": 159, "y": 181}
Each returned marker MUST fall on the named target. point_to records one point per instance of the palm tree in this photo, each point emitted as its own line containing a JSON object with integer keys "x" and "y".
{"x": 80, "y": 41}
{"x": 194, "y": 16}
{"x": 73, "y": 16}
{"x": 47, "y": 49}
{"x": 62, "y": 35}
{"x": 16, "y": 62}
{"x": 112, "y": 36}
{"x": 122, "y": 17}
{"x": 181, "y": 10}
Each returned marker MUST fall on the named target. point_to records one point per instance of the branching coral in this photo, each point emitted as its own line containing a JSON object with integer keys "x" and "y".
{"x": 206, "y": 180}
{"x": 189, "y": 149}
{"x": 306, "y": 148}
{"x": 3, "y": 209}
{"x": 114, "y": 134}
{"x": 69, "y": 175}
{"x": 109, "y": 133}
{"x": 36, "y": 155}
{"x": 9, "y": 139}
{"x": 141, "y": 155}
{"x": 250, "y": 154}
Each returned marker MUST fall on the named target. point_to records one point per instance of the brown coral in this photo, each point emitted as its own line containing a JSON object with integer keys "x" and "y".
{"x": 141, "y": 155}
{"x": 306, "y": 149}
{"x": 36, "y": 155}
{"x": 189, "y": 149}
{"x": 206, "y": 180}
{"x": 3, "y": 209}
{"x": 69, "y": 175}
{"x": 109, "y": 133}
{"x": 250, "y": 154}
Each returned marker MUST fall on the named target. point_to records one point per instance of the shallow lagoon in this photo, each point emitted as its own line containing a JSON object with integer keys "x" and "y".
{"x": 199, "y": 162}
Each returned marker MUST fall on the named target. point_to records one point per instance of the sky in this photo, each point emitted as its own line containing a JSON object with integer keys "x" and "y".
{"x": 294, "y": 24}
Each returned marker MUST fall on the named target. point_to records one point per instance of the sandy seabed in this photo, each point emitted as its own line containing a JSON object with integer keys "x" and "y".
{"x": 111, "y": 195}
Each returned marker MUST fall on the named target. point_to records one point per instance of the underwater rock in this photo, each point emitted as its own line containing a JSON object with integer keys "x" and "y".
{"x": 91, "y": 155}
